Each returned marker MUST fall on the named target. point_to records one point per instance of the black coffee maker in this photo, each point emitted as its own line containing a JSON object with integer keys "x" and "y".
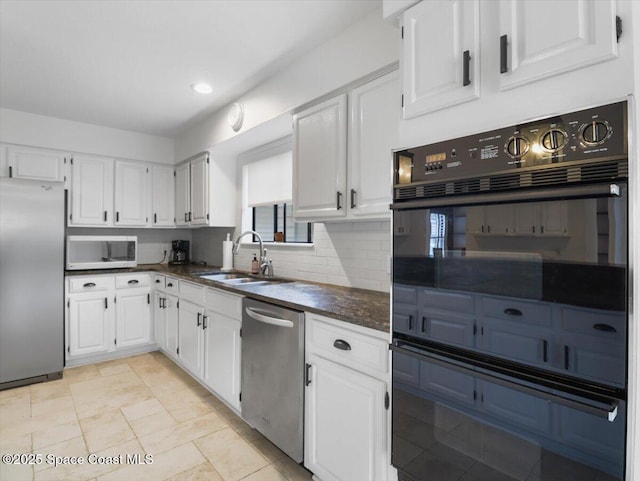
{"x": 179, "y": 252}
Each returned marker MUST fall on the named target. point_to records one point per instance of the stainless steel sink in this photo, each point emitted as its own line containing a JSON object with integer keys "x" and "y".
{"x": 236, "y": 279}
{"x": 223, "y": 276}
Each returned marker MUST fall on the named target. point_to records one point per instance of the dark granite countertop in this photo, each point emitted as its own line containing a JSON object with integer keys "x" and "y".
{"x": 357, "y": 306}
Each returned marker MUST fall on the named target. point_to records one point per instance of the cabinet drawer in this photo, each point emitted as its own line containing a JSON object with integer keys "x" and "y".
{"x": 605, "y": 324}
{"x": 171, "y": 285}
{"x": 450, "y": 301}
{"x": 341, "y": 342}
{"x": 132, "y": 280}
{"x": 518, "y": 311}
{"x": 91, "y": 284}
{"x": 229, "y": 305}
{"x": 158, "y": 281}
{"x": 192, "y": 292}
{"x": 405, "y": 294}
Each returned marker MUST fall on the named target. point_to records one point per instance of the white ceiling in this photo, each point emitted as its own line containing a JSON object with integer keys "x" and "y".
{"x": 130, "y": 64}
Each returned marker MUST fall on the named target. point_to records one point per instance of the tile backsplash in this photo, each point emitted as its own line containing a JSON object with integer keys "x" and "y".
{"x": 354, "y": 254}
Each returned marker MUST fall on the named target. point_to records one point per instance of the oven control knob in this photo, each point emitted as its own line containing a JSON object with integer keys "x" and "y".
{"x": 595, "y": 132}
{"x": 554, "y": 140}
{"x": 517, "y": 146}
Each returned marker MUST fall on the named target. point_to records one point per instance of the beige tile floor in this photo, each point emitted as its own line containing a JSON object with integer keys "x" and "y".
{"x": 138, "y": 405}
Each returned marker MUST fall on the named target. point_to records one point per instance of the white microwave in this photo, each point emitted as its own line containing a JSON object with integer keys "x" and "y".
{"x": 101, "y": 252}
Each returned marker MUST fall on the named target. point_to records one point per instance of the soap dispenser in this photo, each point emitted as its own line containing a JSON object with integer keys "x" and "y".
{"x": 255, "y": 265}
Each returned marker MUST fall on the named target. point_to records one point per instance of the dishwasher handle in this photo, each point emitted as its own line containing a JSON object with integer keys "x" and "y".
{"x": 275, "y": 321}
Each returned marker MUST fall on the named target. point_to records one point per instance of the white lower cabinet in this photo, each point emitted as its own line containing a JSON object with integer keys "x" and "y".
{"x": 346, "y": 401}
{"x": 90, "y": 324}
{"x": 222, "y": 323}
{"x": 203, "y": 335}
{"x": 106, "y": 314}
{"x": 133, "y": 317}
{"x": 190, "y": 336}
{"x": 159, "y": 319}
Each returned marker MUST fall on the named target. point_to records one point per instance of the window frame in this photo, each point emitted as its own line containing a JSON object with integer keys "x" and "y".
{"x": 309, "y": 240}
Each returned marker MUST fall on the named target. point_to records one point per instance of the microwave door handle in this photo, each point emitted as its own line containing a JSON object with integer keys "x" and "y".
{"x": 609, "y": 411}
{"x": 558, "y": 193}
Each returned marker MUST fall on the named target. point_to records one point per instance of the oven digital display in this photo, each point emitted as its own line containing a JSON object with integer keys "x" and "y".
{"x": 439, "y": 157}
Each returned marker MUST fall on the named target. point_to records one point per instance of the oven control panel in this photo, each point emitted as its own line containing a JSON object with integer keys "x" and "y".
{"x": 592, "y": 134}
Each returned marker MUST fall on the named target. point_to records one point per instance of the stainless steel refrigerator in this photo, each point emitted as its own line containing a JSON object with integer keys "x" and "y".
{"x": 31, "y": 281}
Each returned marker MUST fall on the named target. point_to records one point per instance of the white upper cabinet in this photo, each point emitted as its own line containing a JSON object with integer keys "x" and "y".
{"x": 91, "y": 191}
{"x": 183, "y": 194}
{"x": 342, "y": 153}
{"x": 320, "y": 160}
{"x": 205, "y": 192}
{"x": 163, "y": 195}
{"x": 373, "y": 133}
{"x": 547, "y": 37}
{"x": 131, "y": 194}
{"x": 38, "y": 164}
{"x": 199, "y": 193}
{"x": 520, "y": 42}
{"x": 441, "y": 52}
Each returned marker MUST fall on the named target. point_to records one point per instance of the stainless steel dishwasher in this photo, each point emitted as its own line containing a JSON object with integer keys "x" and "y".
{"x": 272, "y": 395}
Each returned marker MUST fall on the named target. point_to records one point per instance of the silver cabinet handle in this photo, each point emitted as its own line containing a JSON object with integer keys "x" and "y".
{"x": 275, "y": 321}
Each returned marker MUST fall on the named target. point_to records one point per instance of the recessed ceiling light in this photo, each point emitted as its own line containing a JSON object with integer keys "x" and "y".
{"x": 202, "y": 88}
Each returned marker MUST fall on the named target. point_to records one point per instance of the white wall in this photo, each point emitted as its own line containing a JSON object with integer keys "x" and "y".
{"x": 39, "y": 131}
{"x": 364, "y": 47}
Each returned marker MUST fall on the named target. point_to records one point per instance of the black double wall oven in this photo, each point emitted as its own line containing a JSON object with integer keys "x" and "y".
{"x": 510, "y": 303}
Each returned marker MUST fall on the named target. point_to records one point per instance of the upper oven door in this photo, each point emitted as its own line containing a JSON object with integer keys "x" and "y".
{"x": 538, "y": 278}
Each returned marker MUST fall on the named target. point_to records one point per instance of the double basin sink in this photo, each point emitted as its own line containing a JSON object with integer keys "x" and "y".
{"x": 240, "y": 279}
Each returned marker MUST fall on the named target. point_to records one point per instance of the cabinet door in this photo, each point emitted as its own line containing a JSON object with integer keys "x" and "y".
{"x": 190, "y": 336}
{"x": 163, "y": 196}
{"x": 132, "y": 318}
{"x": 171, "y": 313}
{"x": 554, "y": 218}
{"x": 517, "y": 341}
{"x": 39, "y": 164}
{"x": 131, "y": 203}
{"x": 499, "y": 219}
{"x": 441, "y": 43}
{"x": 222, "y": 357}
{"x": 183, "y": 195}
{"x": 374, "y": 116}
{"x": 345, "y": 421}
{"x": 160, "y": 319}
{"x": 91, "y": 191}
{"x": 199, "y": 198}
{"x": 516, "y": 407}
{"x": 447, "y": 327}
{"x": 320, "y": 160}
{"x": 90, "y": 324}
{"x": 546, "y": 37}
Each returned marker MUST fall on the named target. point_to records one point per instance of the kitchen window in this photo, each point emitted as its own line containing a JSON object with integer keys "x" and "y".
{"x": 275, "y": 224}
{"x": 267, "y": 194}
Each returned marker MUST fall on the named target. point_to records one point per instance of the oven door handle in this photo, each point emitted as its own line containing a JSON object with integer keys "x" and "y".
{"x": 274, "y": 321}
{"x": 609, "y": 411}
{"x": 481, "y": 198}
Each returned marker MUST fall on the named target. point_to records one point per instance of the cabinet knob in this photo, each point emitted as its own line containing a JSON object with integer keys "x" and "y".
{"x": 89, "y": 284}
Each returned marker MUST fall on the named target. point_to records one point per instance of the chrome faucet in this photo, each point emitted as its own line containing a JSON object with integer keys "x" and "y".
{"x": 265, "y": 267}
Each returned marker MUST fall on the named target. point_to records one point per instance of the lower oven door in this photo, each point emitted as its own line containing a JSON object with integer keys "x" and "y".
{"x": 455, "y": 421}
